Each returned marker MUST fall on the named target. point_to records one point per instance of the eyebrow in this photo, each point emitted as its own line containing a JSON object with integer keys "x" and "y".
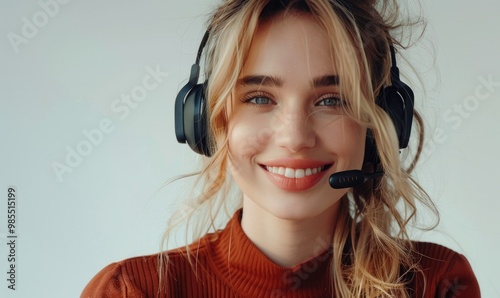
{"x": 260, "y": 80}
{"x": 326, "y": 80}
{"x": 263, "y": 80}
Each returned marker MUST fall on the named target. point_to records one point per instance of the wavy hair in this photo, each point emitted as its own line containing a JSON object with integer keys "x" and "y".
{"x": 374, "y": 218}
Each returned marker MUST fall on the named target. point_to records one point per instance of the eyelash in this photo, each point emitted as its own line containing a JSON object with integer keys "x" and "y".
{"x": 250, "y": 99}
{"x": 339, "y": 102}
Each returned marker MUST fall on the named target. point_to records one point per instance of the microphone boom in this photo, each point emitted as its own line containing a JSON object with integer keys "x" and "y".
{"x": 351, "y": 178}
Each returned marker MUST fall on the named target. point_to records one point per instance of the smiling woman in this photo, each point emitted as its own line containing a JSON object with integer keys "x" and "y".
{"x": 296, "y": 92}
{"x": 314, "y": 134}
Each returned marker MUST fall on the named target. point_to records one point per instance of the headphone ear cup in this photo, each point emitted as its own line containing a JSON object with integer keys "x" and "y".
{"x": 397, "y": 101}
{"x": 195, "y": 120}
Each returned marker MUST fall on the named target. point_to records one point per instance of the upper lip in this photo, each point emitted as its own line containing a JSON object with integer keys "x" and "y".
{"x": 295, "y": 163}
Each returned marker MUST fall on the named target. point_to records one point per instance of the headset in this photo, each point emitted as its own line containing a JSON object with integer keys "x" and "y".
{"x": 190, "y": 110}
{"x": 191, "y": 123}
{"x": 398, "y": 101}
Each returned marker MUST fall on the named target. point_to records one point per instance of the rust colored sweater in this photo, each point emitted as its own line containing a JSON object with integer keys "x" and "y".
{"x": 229, "y": 265}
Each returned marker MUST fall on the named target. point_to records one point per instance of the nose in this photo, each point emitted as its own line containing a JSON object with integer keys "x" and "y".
{"x": 293, "y": 131}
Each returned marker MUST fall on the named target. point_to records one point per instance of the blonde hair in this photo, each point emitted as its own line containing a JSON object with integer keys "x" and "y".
{"x": 373, "y": 218}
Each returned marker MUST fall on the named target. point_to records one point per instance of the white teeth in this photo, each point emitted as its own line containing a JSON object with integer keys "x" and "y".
{"x": 289, "y": 173}
{"x": 281, "y": 171}
{"x": 294, "y": 173}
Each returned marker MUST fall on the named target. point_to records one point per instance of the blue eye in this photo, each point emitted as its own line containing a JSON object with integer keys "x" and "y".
{"x": 330, "y": 102}
{"x": 259, "y": 100}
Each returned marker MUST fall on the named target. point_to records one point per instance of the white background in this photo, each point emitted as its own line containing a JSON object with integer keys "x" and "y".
{"x": 65, "y": 77}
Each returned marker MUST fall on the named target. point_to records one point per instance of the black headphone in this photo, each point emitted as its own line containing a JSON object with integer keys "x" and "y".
{"x": 191, "y": 121}
{"x": 191, "y": 112}
{"x": 397, "y": 101}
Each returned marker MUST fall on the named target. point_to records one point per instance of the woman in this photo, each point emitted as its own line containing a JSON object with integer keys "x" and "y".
{"x": 297, "y": 92}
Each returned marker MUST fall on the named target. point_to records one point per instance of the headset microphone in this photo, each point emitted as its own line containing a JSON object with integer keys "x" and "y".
{"x": 397, "y": 100}
{"x": 351, "y": 178}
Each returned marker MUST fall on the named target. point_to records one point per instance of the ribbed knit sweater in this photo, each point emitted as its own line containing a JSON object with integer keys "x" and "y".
{"x": 228, "y": 264}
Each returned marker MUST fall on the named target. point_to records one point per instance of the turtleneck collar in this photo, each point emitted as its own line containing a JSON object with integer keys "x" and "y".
{"x": 240, "y": 264}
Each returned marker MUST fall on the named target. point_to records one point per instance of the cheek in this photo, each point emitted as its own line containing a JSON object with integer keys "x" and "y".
{"x": 248, "y": 135}
{"x": 347, "y": 139}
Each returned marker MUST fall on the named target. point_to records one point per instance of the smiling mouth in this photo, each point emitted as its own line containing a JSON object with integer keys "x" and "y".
{"x": 296, "y": 173}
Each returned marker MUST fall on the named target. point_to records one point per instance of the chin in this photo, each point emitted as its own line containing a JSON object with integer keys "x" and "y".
{"x": 297, "y": 207}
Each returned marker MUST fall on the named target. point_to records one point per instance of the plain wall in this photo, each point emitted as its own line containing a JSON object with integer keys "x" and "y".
{"x": 65, "y": 69}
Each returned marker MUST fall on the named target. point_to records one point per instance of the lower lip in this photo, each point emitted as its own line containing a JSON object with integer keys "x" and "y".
{"x": 294, "y": 184}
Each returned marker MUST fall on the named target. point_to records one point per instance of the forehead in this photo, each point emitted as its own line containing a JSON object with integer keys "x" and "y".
{"x": 293, "y": 44}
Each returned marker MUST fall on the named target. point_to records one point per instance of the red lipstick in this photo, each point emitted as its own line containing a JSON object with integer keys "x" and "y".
{"x": 296, "y": 184}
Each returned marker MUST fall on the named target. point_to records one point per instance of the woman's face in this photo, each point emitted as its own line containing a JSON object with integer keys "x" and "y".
{"x": 287, "y": 130}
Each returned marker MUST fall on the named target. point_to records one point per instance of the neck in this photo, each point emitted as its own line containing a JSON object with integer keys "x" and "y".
{"x": 288, "y": 242}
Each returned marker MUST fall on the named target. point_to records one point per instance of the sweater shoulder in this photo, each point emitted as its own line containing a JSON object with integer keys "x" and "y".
{"x": 447, "y": 273}
{"x": 115, "y": 280}
{"x": 139, "y": 276}
{"x": 433, "y": 257}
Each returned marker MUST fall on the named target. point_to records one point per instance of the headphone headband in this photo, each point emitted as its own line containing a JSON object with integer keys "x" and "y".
{"x": 202, "y": 46}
